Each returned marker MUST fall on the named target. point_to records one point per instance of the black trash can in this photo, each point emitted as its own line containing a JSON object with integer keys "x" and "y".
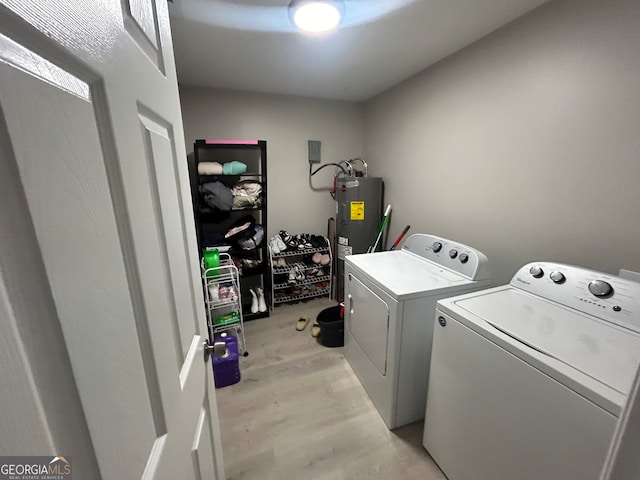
{"x": 331, "y": 327}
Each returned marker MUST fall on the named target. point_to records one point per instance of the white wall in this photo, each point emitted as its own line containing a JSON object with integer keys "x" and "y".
{"x": 286, "y": 123}
{"x": 526, "y": 144}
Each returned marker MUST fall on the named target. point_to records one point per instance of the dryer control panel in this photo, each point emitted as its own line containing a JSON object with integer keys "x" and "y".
{"x": 454, "y": 256}
{"x": 606, "y": 296}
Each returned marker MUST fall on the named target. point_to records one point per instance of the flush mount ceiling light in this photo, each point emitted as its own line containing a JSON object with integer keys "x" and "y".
{"x": 316, "y": 16}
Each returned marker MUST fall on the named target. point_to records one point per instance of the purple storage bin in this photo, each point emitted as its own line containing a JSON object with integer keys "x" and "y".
{"x": 226, "y": 370}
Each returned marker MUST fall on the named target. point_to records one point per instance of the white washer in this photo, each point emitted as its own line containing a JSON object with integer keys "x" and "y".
{"x": 390, "y": 301}
{"x": 528, "y": 380}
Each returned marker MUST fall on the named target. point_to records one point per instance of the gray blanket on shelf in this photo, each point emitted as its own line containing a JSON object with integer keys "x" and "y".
{"x": 217, "y": 195}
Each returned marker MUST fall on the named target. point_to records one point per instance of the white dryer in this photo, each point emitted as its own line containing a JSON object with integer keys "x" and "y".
{"x": 528, "y": 379}
{"x": 390, "y": 301}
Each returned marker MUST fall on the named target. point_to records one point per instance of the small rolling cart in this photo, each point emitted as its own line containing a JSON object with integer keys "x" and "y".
{"x": 223, "y": 298}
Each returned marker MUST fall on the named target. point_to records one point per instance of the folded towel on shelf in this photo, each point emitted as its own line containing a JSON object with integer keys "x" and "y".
{"x": 209, "y": 168}
{"x": 234, "y": 168}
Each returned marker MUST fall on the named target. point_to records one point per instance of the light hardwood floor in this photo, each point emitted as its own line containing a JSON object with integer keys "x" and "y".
{"x": 299, "y": 412}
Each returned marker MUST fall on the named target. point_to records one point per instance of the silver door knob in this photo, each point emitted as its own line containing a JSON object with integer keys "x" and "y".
{"x": 219, "y": 349}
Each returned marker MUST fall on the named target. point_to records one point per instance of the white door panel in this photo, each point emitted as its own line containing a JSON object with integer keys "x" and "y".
{"x": 203, "y": 465}
{"x": 161, "y": 164}
{"x": 143, "y": 16}
{"x": 90, "y": 108}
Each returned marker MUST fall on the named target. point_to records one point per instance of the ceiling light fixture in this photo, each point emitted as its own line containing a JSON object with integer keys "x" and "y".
{"x": 316, "y": 16}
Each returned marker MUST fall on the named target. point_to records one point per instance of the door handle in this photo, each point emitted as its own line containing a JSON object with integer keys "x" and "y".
{"x": 208, "y": 350}
{"x": 219, "y": 349}
{"x": 350, "y": 303}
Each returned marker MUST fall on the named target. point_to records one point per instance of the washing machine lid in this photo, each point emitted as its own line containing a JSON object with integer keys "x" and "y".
{"x": 403, "y": 274}
{"x": 601, "y": 350}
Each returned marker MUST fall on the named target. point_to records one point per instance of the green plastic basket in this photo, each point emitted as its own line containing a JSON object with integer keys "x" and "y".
{"x": 228, "y": 319}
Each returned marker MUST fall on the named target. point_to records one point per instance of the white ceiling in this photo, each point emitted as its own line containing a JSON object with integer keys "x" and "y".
{"x": 251, "y": 45}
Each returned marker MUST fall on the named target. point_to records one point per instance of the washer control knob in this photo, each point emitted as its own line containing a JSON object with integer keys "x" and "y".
{"x": 453, "y": 253}
{"x": 437, "y": 246}
{"x": 536, "y": 272}
{"x": 557, "y": 277}
{"x": 600, "y": 288}
{"x": 464, "y": 258}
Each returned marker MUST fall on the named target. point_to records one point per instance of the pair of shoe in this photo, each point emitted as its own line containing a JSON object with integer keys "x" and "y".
{"x": 299, "y": 290}
{"x": 315, "y": 272}
{"x": 322, "y": 259}
{"x": 279, "y": 262}
{"x": 296, "y": 275}
{"x": 303, "y": 241}
{"x": 302, "y": 324}
{"x": 277, "y": 245}
{"x": 289, "y": 240}
{"x": 318, "y": 241}
{"x": 257, "y": 303}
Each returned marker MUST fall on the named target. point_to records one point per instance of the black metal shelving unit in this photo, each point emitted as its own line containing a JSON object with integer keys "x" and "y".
{"x": 211, "y": 224}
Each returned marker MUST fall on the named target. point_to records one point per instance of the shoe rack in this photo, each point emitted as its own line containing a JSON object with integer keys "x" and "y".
{"x": 300, "y": 272}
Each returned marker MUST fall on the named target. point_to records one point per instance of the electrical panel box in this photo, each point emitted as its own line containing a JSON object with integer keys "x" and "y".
{"x": 314, "y": 151}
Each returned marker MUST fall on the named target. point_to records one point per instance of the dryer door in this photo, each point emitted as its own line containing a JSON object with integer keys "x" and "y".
{"x": 369, "y": 322}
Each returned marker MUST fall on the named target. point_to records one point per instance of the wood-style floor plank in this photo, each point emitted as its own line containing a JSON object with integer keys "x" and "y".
{"x": 299, "y": 412}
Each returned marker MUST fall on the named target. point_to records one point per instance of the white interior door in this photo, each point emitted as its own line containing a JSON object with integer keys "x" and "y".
{"x": 95, "y": 185}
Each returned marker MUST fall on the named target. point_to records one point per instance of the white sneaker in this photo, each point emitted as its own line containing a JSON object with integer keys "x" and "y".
{"x": 273, "y": 244}
{"x": 281, "y": 245}
{"x": 262, "y": 305}
{"x": 254, "y": 301}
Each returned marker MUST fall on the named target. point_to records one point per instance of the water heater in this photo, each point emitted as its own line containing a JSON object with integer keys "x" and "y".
{"x": 358, "y": 216}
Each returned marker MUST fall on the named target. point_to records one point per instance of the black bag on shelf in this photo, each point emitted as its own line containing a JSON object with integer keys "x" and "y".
{"x": 252, "y": 242}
